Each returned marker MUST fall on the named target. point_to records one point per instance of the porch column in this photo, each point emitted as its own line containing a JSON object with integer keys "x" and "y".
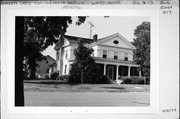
{"x": 129, "y": 69}
{"x": 117, "y": 72}
{"x": 105, "y": 69}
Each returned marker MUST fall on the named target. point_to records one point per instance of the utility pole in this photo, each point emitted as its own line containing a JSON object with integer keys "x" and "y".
{"x": 91, "y": 26}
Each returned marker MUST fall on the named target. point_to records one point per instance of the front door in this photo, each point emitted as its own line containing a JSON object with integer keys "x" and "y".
{"x": 111, "y": 72}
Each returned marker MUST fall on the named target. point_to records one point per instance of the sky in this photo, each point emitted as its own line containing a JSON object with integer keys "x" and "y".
{"x": 102, "y": 27}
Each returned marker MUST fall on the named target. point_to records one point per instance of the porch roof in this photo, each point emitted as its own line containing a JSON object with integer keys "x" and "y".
{"x": 114, "y": 61}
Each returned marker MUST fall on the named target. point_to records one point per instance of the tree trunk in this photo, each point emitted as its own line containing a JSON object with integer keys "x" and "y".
{"x": 32, "y": 67}
{"x": 82, "y": 78}
{"x": 19, "y": 74}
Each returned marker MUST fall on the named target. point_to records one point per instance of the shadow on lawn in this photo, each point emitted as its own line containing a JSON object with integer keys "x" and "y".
{"x": 46, "y": 82}
{"x": 120, "y": 88}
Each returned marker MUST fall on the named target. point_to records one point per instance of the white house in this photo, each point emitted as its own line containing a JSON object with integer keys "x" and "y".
{"x": 113, "y": 54}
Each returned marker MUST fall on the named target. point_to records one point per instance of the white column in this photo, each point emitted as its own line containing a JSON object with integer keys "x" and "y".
{"x": 117, "y": 72}
{"x": 129, "y": 69}
{"x": 105, "y": 69}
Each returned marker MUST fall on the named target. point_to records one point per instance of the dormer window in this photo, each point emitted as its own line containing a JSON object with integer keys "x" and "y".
{"x": 104, "y": 53}
{"x": 115, "y": 55}
{"x": 126, "y": 57}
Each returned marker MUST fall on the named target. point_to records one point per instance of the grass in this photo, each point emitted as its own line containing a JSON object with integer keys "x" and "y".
{"x": 57, "y": 86}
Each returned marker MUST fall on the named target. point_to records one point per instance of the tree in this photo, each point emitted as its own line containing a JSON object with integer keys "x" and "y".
{"x": 33, "y": 35}
{"x": 84, "y": 69}
{"x": 40, "y": 32}
{"x": 142, "y": 44}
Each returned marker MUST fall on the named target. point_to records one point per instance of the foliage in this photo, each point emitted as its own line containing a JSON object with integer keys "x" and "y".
{"x": 63, "y": 77}
{"x": 84, "y": 69}
{"x": 133, "y": 80}
{"x": 54, "y": 76}
{"x": 142, "y": 44}
{"x": 101, "y": 79}
{"x": 40, "y": 33}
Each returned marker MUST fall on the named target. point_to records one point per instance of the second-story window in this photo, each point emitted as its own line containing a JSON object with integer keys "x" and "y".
{"x": 65, "y": 68}
{"x": 115, "y": 55}
{"x": 104, "y": 53}
{"x": 57, "y": 55}
{"x": 126, "y": 57}
{"x": 66, "y": 54}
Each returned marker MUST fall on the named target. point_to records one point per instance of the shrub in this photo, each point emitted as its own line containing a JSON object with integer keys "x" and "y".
{"x": 63, "y": 77}
{"x": 126, "y": 80}
{"x": 133, "y": 80}
{"x": 138, "y": 80}
{"x": 89, "y": 79}
{"x": 54, "y": 75}
{"x": 100, "y": 79}
{"x": 46, "y": 77}
{"x": 147, "y": 80}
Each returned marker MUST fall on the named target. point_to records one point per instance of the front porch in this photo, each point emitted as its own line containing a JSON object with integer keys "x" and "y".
{"x": 117, "y": 68}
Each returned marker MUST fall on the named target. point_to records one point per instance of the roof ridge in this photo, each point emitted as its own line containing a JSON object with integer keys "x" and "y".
{"x": 78, "y": 37}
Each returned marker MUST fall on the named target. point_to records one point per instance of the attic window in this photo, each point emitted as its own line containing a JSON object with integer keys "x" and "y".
{"x": 115, "y": 42}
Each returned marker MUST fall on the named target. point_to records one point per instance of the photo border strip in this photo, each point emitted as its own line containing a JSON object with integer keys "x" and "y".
{"x": 154, "y": 86}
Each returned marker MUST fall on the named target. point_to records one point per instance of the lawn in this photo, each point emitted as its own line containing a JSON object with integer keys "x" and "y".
{"x": 58, "y": 86}
{"x": 56, "y": 93}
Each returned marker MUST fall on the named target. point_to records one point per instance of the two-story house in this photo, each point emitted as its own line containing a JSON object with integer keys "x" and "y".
{"x": 113, "y": 54}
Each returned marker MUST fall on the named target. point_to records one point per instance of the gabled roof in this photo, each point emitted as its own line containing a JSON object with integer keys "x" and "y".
{"x": 51, "y": 58}
{"x": 73, "y": 39}
{"x": 91, "y": 42}
{"x": 76, "y": 39}
{"x": 109, "y": 37}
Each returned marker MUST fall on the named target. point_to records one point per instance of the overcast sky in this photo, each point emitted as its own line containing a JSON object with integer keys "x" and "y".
{"x": 102, "y": 27}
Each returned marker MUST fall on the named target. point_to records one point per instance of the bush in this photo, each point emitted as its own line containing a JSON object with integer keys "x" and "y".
{"x": 54, "y": 75}
{"x": 89, "y": 79}
{"x": 100, "y": 79}
{"x": 63, "y": 77}
{"x": 46, "y": 77}
{"x": 147, "y": 80}
{"x": 126, "y": 80}
{"x": 133, "y": 80}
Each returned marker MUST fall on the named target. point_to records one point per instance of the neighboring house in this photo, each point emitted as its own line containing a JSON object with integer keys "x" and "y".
{"x": 46, "y": 67}
{"x": 113, "y": 54}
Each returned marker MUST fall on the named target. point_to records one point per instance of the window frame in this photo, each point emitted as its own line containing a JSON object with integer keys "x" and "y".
{"x": 66, "y": 55}
{"x": 126, "y": 57}
{"x": 116, "y": 55}
{"x": 65, "y": 68}
{"x": 104, "y": 54}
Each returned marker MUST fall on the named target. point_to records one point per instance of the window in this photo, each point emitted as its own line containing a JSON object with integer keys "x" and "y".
{"x": 126, "y": 57}
{"x": 115, "y": 42}
{"x": 65, "y": 68}
{"x": 104, "y": 53}
{"x": 57, "y": 55}
{"x": 115, "y": 55}
{"x": 66, "y": 54}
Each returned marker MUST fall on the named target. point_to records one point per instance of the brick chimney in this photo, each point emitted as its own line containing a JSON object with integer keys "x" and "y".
{"x": 95, "y": 37}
